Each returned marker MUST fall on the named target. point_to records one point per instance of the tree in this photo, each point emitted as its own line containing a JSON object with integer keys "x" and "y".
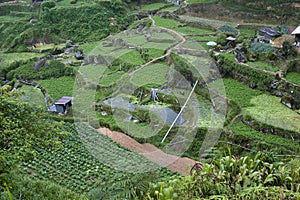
{"x": 288, "y": 50}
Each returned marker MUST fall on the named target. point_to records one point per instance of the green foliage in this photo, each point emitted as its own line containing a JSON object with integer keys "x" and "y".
{"x": 264, "y": 65}
{"x": 154, "y": 53}
{"x": 88, "y": 22}
{"x": 231, "y": 177}
{"x": 234, "y": 110}
{"x": 268, "y": 109}
{"x": 204, "y": 38}
{"x": 111, "y": 78}
{"x": 131, "y": 186}
{"x": 47, "y": 5}
{"x": 153, "y": 6}
{"x": 221, "y": 39}
{"x": 238, "y": 92}
{"x": 248, "y": 75}
{"x": 166, "y": 23}
{"x": 240, "y": 129}
{"x": 53, "y": 69}
{"x": 247, "y": 33}
{"x": 228, "y": 29}
{"x": 151, "y": 74}
{"x": 288, "y": 50}
{"x": 200, "y": 1}
{"x": 28, "y": 188}
{"x": 293, "y": 77}
{"x": 79, "y": 166}
{"x": 23, "y": 128}
{"x": 58, "y": 87}
{"x": 192, "y": 30}
{"x": 260, "y": 47}
{"x": 11, "y": 61}
{"x": 132, "y": 57}
{"x": 207, "y": 23}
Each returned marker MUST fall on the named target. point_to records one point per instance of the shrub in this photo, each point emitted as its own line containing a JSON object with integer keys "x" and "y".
{"x": 48, "y": 4}
{"x": 53, "y": 69}
{"x": 260, "y": 47}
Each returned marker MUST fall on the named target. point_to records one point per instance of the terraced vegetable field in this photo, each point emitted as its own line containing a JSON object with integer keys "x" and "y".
{"x": 81, "y": 167}
{"x": 58, "y": 87}
{"x": 269, "y": 110}
{"x": 276, "y": 142}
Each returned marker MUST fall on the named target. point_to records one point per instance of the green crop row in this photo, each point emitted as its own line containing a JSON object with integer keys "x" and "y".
{"x": 166, "y": 23}
{"x": 251, "y": 76}
{"x": 80, "y": 166}
{"x": 154, "y": 6}
{"x": 237, "y": 91}
{"x": 58, "y": 87}
{"x": 268, "y": 110}
{"x": 240, "y": 129}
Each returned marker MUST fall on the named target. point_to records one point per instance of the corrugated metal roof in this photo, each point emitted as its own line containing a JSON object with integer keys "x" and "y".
{"x": 64, "y": 100}
{"x": 296, "y": 31}
{"x": 271, "y": 32}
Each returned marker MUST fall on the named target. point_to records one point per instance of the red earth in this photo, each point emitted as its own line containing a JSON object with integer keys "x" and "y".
{"x": 174, "y": 163}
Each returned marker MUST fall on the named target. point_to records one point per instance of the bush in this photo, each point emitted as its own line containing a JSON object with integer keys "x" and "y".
{"x": 48, "y": 4}
{"x": 228, "y": 29}
{"x": 53, "y": 69}
{"x": 260, "y": 47}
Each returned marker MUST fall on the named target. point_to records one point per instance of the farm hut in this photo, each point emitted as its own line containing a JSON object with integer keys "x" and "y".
{"x": 296, "y": 33}
{"x": 63, "y": 105}
{"x": 268, "y": 34}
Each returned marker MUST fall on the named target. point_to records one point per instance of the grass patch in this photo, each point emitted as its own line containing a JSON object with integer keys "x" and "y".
{"x": 192, "y": 30}
{"x": 88, "y": 47}
{"x": 58, "y": 87}
{"x": 133, "y": 57}
{"x": 153, "y": 6}
{"x": 268, "y": 109}
{"x": 263, "y": 65}
{"x": 170, "y": 9}
{"x": 8, "y": 58}
{"x": 151, "y": 74}
{"x": 204, "y": 38}
{"x": 244, "y": 130}
{"x": 32, "y": 95}
{"x": 208, "y": 22}
{"x": 167, "y": 23}
{"x": 155, "y": 53}
{"x": 248, "y": 33}
{"x": 201, "y": 1}
{"x": 293, "y": 77}
{"x": 237, "y": 91}
{"x": 111, "y": 78}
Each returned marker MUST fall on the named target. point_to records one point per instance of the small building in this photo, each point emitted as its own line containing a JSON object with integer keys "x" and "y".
{"x": 62, "y": 106}
{"x": 268, "y": 34}
{"x": 296, "y": 33}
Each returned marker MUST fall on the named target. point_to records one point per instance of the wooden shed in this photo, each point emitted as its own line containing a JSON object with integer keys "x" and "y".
{"x": 63, "y": 105}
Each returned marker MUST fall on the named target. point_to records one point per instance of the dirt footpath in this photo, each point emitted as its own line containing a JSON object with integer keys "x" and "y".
{"x": 174, "y": 163}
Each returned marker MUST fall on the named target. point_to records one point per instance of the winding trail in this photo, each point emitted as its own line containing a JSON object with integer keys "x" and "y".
{"x": 168, "y": 52}
{"x": 178, "y": 164}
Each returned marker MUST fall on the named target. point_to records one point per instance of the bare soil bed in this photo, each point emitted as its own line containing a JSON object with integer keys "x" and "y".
{"x": 174, "y": 163}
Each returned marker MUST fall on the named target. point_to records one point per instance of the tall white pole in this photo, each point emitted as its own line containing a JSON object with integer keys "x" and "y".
{"x": 181, "y": 110}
